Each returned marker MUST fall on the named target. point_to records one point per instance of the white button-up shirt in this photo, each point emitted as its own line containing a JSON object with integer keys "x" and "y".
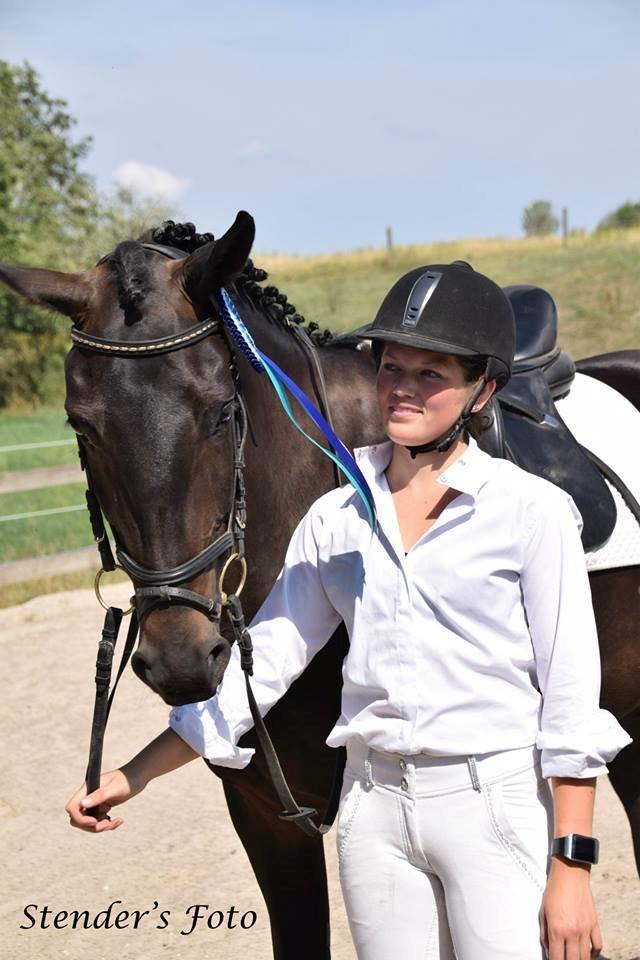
{"x": 481, "y": 638}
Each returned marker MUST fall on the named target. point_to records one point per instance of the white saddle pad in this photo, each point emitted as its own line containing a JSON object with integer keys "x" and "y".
{"x": 604, "y": 422}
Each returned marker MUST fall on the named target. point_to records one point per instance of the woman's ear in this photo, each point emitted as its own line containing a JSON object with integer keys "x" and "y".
{"x": 485, "y": 396}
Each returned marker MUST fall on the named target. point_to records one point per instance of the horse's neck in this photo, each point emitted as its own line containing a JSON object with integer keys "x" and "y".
{"x": 285, "y": 473}
{"x": 348, "y": 376}
{"x": 295, "y": 464}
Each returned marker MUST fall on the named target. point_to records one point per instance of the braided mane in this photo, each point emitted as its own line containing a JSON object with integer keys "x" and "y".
{"x": 270, "y": 300}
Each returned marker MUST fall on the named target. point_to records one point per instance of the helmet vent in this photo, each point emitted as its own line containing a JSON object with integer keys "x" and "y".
{"x": 421, "y": 292}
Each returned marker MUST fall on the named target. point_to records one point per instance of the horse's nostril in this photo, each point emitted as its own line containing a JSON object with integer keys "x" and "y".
{"x": 139, "y": 665}
{"x": 217, "y": 651}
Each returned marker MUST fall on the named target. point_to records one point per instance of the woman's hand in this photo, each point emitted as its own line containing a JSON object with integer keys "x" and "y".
{"x": 115, "y": 787}
{"x": 164, "y": 754}
{"x": 568, "y": 922}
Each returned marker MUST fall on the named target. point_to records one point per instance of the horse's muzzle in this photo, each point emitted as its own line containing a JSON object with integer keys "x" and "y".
{"x": 185, "y": 673}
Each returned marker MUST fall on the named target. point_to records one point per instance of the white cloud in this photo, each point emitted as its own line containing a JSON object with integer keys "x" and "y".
{"x": 254, "y": 148}
{"x": 151, "y": 181}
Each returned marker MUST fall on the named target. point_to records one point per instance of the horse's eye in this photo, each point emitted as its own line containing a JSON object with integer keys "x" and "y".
{"x": 80, "y": 427}
{"x": 216, "y": 418}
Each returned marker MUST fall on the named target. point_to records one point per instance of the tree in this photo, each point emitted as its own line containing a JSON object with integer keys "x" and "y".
{"x": 124, "y": 215}
{"x": 50, "y": 215}
{"x": 627, "y": 215}
{"x": 539, "y": 219}
{"x": 47, "y": 207}
{"x": 46, "y": 202}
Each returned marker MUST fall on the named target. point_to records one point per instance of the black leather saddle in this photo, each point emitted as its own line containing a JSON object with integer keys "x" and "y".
{"x": 527, "y": 428}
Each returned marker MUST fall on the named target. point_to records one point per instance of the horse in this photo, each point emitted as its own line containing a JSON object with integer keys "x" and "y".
{"x": 157, "y": 435}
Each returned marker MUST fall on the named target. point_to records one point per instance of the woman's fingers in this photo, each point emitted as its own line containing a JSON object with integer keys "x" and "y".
{"x": 544, "y": 937}
{"x": 96, "y": 822}
{"x": 102, "y": 797}
{"x": 90, "y": 812}
{"x": 596, "y": 941}
{"x": 91, "y": 825}
{"x": 575, "y": 945}
{"x": 107, "y": 824}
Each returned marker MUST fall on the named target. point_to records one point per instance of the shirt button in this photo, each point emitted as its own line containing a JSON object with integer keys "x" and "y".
{"x": 404, "y": 783}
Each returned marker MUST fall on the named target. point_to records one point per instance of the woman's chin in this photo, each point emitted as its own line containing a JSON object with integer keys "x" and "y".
{"x": 406, "y": 436}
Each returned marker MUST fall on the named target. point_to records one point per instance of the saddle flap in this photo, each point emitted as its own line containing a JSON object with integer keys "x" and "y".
{"x": 550, "y": 451}
{"x": 528, "y": 430}
{"x": 528, "y": 395}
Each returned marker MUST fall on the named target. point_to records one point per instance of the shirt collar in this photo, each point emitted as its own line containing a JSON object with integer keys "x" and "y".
{"x": 468, "y": 473}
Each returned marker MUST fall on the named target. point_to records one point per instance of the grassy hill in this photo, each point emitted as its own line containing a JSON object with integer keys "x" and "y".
{"x": 595, "y": 282}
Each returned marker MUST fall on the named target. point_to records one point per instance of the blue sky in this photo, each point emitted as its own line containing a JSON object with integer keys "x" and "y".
{"x": 329, "y": 121}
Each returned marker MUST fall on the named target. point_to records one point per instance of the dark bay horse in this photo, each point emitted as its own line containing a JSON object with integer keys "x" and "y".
{"x": 158, "y": 443}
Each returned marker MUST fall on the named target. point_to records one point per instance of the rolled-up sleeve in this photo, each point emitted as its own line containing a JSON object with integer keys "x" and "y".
{"x": 295, "y": 621}
{"x": 576, "y": 737}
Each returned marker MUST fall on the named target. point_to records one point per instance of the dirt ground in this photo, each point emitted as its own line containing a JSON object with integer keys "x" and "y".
{"x": 176, "y": 848}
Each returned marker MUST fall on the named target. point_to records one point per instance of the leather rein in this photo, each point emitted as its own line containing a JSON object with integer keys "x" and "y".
{"x": 162, "y": 586}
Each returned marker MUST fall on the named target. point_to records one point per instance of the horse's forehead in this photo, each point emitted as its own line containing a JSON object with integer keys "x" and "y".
{"x": 121, "y": 296}
{"x": 163, "y": 310}
{"x": 136, "y": 263}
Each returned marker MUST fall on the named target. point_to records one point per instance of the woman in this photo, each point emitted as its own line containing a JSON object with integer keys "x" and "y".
{"x": 472, "y": 678}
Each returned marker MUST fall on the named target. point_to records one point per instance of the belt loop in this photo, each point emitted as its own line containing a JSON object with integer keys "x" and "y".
{"x": 473, "y": 773}
{"x": 368, "y": 770}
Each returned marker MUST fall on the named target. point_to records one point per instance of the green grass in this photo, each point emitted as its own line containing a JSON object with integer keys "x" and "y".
{"x": 43, "y": 424}
{"x": 36, "y": 536}
{"x": 595, "y": 282}
{"x": 82, "y": 580}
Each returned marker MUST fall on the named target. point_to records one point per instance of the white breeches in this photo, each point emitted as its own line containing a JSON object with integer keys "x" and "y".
{"x": 444, "y": 857}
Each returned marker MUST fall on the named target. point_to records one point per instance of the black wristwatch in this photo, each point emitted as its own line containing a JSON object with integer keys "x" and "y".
{"x": 576, "y": 847}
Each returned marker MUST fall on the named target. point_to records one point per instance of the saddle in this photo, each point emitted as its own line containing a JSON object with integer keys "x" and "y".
{"x": 526, "y": 426}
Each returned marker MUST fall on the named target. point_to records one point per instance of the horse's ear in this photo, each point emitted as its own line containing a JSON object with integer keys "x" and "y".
{"x": 65, "y": 292}
{"x": 216, "y": 263}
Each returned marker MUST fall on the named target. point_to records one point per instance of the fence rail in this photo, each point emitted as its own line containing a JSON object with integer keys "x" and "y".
{"x": 14, "y": 447}
{"x": 4, "y": 518}
{"x": 49, "y": 565}
{"x": 16, "y": 481}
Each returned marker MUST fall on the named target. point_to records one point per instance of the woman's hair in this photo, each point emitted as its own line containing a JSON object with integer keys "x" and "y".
{"x": 473, "y": 368}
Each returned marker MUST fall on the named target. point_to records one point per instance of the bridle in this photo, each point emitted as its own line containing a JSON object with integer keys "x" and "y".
{"x": 163, "y": 586}
{"x": 159, "y": 586}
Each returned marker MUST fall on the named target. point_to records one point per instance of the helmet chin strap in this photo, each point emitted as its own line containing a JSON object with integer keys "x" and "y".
{"x": 444, "y": 441}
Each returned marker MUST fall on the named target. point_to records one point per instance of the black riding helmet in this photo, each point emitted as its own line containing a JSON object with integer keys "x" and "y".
{"x": 449, "y": 308}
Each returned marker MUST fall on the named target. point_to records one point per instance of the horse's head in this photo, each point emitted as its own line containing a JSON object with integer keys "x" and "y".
{"x": 156, "y": 428}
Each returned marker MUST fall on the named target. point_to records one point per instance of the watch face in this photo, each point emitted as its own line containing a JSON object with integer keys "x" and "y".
{"x": 584, "y": 848}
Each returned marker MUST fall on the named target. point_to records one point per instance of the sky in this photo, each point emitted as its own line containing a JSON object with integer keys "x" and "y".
{"x": 330, "y": 121}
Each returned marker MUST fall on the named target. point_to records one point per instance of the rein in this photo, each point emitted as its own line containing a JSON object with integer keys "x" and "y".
{"x": 162, "y": 586}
